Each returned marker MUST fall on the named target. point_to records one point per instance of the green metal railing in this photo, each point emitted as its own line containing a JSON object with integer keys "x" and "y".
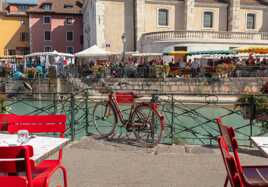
{"x": 189, "y": 118}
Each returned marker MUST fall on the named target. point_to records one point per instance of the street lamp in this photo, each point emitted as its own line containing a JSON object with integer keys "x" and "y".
{"x": 124, "y": 40}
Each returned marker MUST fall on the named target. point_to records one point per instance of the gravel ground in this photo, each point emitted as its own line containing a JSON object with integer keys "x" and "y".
{"x": 100, "y": 163}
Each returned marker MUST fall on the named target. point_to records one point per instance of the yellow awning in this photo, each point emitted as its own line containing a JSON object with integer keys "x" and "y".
{"x": 253, "y": 49}
{"x": 176, "y": 53}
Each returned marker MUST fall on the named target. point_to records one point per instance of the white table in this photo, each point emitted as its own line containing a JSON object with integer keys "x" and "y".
{"x": 262, "y": 143}
{"x": 43, "y": 146}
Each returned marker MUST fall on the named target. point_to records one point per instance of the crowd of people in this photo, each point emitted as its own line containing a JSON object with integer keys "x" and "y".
{"x": 34, "y": 67}
{"x": 182, "y": 67}
{"x": 138, "y": 67}
{"x": 9, "y": 66}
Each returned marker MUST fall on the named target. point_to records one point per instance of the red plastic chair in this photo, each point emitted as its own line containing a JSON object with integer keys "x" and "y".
{"x": 42, "y": 124}
{"x": 230, "y": 164}
{"x": 19, "y": 170}
{"x": 252, "y": 176}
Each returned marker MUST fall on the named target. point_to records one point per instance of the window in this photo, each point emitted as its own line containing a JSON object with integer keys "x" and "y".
{"x": 69, "y": 20}
{"x": 81, "y": 39}
{"x": 251, "y": 18}
{"x": 180, "y": 48}
{"x": 23, "y": 8}
{"x": 22, "y": 50}
{"x": 46, "y": 19}
{"x": 47, "y": 6}
{"x": 11, "y": 52}
{"x": 47, "y": 35}
{"x": 208, "y": 20}
{"x": 24, "y": 36}
{"x": 69, "y": 36}
{"x": 163, "y": 17}
{"x": 70, "y": 50}
{"x": 47, "y": 49}
{"x": 68, "y": 6}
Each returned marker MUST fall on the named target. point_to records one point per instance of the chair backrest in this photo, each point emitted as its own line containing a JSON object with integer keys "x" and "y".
{"x": 228, "y": 134}
{"x": 38, "y": 124}
{"x": 17, "y": 159}
{"x": 5, "y": 119}
{"x": 230, "y": 164}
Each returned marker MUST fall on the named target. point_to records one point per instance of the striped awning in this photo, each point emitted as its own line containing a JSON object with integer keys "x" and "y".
{"x": 213, "y": 52}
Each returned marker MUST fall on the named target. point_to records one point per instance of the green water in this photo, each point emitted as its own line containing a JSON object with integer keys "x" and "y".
{"x": 192, "y": 124}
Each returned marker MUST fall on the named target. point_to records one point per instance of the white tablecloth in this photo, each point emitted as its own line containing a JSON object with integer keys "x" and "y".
{"x": 261, "y": 143}
{"x": 43, "y": 146}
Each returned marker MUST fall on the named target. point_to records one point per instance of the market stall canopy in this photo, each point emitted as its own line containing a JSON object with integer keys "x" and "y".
{"x": 212, "y": 52}
{"x": 54, "y": 53}
{"x": 252, "y": 49}
{"x": 12, "y": 57}
{"x": 93, "y": 51}
{"x": 146, "y": 54}
{"x": 176, "y": 53}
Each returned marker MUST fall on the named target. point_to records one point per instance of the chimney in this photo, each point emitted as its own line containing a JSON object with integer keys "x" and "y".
{"x": 234, "y": 15}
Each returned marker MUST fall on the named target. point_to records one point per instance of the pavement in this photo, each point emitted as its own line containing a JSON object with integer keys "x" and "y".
{"x": 99, "y": 163}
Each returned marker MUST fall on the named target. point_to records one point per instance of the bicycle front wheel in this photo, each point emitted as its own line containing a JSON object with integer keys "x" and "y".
{"x": 104, "y": 119}
{"x": 147, "y": 125}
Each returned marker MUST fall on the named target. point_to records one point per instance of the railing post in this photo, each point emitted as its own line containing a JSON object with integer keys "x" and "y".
{"x": 172, "y": 119}
{"x": 86, "y": 112}
{"x": 72, "y": 124}
{"x": 252, "y": 104}
{"x": 54, "y": 103}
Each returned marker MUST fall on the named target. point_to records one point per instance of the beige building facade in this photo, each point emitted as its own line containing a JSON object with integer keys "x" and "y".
{"x": 162, "y": 25}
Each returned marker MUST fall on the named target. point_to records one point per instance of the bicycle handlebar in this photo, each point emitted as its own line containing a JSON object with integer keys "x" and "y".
{"x": 110, "y": 87}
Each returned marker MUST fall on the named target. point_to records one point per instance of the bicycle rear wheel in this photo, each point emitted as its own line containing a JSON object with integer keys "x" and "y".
{"x": 147, "y": 126}
{"x": 104, "y": 119}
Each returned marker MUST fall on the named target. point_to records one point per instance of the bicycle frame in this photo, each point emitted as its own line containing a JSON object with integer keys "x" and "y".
{"x": 115, "y": 105}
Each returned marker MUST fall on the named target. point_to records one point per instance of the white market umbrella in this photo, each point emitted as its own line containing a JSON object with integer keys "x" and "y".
{"x": 93, "y": 51}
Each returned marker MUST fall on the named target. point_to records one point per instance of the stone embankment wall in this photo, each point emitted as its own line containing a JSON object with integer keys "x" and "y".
{"x": 223, "y": 86}
{"x": 169, "y": 85}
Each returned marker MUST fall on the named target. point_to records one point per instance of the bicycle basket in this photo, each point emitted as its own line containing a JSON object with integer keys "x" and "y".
{"x": 125, "y": 97}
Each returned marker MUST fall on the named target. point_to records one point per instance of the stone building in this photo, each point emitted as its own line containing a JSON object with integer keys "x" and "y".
{"x": 160, "y": 25}
{"x": 56, "y": 25}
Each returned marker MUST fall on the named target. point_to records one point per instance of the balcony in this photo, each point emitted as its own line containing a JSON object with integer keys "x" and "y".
{"x": 156, "y": 41}
{"x": 171, "y": 35}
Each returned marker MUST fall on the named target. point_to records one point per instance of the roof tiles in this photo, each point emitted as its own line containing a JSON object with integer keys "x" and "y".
{"x": 59, "y": 7}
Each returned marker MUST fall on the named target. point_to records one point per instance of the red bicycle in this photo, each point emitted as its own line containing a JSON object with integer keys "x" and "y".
{"x": 143, "y": 120}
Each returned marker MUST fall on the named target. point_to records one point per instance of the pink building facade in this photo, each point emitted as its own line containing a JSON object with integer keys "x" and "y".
{"x": 60, "y": 32}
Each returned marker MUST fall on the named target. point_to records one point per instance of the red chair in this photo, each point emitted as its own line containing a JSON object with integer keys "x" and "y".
{"x": 230, "y": 164}
{"x": 252, "y": 176}
{"x": 20, "y": 162}
{"x": 42, "y": 124}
